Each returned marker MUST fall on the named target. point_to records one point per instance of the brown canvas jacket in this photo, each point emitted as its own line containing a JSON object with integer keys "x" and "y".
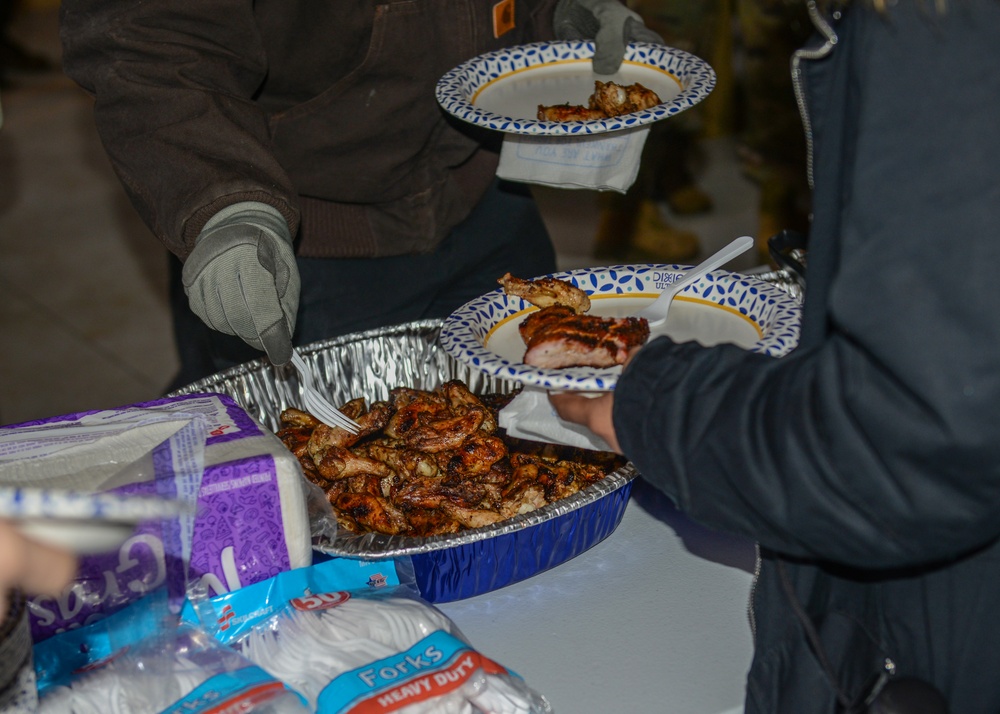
{"x": 325, "y": 110}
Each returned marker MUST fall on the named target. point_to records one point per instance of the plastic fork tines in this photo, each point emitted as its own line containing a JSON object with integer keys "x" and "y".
{"x": 317, "y": 404}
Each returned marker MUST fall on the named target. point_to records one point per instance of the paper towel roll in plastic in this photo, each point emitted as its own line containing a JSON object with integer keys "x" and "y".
{"x": 252, "y": 519}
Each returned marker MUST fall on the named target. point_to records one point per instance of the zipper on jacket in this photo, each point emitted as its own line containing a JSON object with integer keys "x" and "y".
{"x": 751, "y": 614}
{"x": 825, "y": 29}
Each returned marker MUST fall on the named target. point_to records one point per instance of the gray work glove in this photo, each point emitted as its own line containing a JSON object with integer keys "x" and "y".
{"x": 241, "y": 278}
{"x": 609, "y": 23}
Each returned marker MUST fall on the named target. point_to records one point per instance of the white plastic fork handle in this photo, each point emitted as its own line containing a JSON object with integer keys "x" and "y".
{"x": 656, "y": 311}
{"x": 300, "y": 365}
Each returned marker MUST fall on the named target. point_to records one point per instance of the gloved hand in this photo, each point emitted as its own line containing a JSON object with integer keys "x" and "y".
{"x": 609, "y": 23}
{"x": 241, "y": 278}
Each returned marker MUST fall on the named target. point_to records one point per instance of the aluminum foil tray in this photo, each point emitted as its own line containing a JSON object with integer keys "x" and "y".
{"x": 447, "y": 567}
{"x": 792, "y": 284}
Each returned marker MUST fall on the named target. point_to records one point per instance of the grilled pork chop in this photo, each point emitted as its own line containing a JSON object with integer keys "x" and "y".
{"x": 558, "y": 337}
{"x": 560, "y": 334}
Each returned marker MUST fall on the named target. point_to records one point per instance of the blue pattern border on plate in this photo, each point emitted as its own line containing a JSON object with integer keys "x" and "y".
{"x": 457, "y": 88}
{"x": 776, "y": 314}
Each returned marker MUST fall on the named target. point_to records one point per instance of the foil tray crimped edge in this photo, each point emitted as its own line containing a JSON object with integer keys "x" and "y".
{"x": 784, "y": 280}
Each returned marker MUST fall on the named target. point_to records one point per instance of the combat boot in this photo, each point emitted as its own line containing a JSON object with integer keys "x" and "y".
{"x": 655, "y": 241}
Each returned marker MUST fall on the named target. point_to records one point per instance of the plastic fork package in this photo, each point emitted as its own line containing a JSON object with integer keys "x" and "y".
{"x": 144, "y": 660}
{"x": 379, "y": 648}
{"x": 146, "y": 657}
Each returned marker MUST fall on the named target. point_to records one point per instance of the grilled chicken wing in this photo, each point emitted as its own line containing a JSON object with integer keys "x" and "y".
{"x": 615, "y": 100}
{"x": 413, "y": 409}
{"x": 545, "y": 292}
{"x": 558, "y": 478}
{"x": 337, "y": 462}
{"x": 374, "y": 513}
{"x": 475, "y": 456}
{"x": 445, "y": 434}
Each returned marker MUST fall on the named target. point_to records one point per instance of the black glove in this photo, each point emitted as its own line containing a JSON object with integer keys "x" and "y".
{"x": 609, "y": 23}
{"x": 241, "y": 278}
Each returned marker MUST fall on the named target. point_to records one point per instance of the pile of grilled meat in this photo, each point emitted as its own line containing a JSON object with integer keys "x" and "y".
{"x": 431, "y": 462}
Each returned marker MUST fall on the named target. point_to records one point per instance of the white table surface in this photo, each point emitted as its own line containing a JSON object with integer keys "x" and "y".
{"x": 653, "y": 619}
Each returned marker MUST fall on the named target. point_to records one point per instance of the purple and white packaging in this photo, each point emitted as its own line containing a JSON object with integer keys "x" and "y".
{"x": 254, "y": 504}
{"x": 252, "y": 517}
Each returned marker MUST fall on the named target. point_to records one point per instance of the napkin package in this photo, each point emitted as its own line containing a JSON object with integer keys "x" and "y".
{"x": 252, "y": 517}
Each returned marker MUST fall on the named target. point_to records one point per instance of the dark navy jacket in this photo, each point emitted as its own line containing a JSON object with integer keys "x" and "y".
{"x": 866, "y": 463}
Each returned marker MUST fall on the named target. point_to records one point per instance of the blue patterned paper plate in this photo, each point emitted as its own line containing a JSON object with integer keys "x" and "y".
{"x": 501, "y": 90}
{"x": 722, "y": 307}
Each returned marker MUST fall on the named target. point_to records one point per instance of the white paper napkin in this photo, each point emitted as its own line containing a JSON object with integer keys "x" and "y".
{"x": 530, "y": 416}
{"x": 595, "y": 161}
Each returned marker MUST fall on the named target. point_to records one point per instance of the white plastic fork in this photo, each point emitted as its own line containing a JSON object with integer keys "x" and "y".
{"x": 656, "y": 312}
{"x": 318, "y": 405}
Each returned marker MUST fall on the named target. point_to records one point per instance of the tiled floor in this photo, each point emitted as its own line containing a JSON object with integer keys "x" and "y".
{"x": 84, "y": 322}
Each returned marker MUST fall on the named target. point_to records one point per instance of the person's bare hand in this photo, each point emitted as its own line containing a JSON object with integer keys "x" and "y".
{"x": 595, "y": 413}
{"x": 30, "y": 566}
{"x": 591, "y": 412}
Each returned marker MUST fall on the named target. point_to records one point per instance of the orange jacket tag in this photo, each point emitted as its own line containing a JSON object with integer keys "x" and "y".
{"x": 503, "y": 17}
